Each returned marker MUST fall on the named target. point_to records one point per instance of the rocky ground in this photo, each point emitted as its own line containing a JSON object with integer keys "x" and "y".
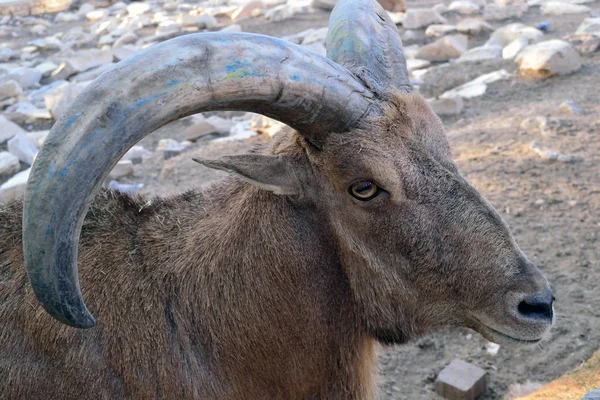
{"x": 516, "y": 82}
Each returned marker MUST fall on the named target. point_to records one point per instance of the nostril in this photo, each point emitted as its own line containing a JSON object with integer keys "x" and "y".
{"x": 535, "y": 309}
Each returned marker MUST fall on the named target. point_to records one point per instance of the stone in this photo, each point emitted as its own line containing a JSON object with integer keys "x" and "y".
{"x": 443, "y": 49}
{"x": 265, "y": 125}
{"x": 414, "y": 64}
{"x": 507, "y": 34}
{"x": 552, "y": 57}
{"x": 200, "y": 128}
{"x": 464, "y": 7}
{"x": 280, "y": 13}
{"x": 9, "y": 163}
{"x": 447, "y": 106}
{"x": 129, "y": 189}
{"x": 66, "y": 17}
{"x": 137, "y": 8}
{"x": 233, "y": 28}
{"x": 24, "y": 112}
{"x": 121, "y": 169}
{"x": 570, "y": 107}
{"x": 512, "y": 50}
{"x": 417, "y": 18}
{"x": 389, "y": 5}
{"x": 6, "y": 54}
{"x": 60, "y": 99}
{"x": 317, "y": 47}
{"x": 38, "y": 137}
{"x": 551, "y": 155}
{"x": 87, "y": 59}
{"x": 495, "y": 12}
{"x": 240, "y": 131}
{"x": 105, "y": 40}
{"x": 471, "y": 26}
{"x": 461, "y": 381}
{"x": 560, "y": 8}
{"x": 38, "y": 29}
{"x": 477, "y": 87}
{"x": 492, "y": 348}
{"x": 315, "y": 35}
{"x": 169, "y": 27}
{"x": 14, "y": 188}
{"x": 23, "y": 147}
{"x": 48, "y": 43}
{"x": 9, "y": 89}
{"x": 585, "y": 43}
{"x": 96, "y": 15}
{"x": 590, "y": 25}
{"x": 206, "y": 21}
{"x": 25, "y": 77}
{"x": 439, "y": 30}
{"x": 136, "y": 154}
{"x": 125, "y": 51}
{"x": 84, "y": 9}
{"x": 482, "y": 53}
{"x": 251, "y": 9}
{"x": 127, "y": 38}
{"x": 91, "y": 74}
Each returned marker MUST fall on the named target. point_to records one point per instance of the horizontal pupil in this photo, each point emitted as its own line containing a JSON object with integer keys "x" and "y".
{"x": 364, "y": 187}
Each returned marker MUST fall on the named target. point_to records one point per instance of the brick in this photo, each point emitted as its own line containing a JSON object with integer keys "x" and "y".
{"x": 461, "y": 381}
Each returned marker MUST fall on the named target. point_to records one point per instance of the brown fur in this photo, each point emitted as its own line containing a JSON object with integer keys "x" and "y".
{"x": 239, "y": 293}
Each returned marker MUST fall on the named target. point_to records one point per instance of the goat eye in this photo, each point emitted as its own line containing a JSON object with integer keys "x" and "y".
{"x": 364, "y": 190}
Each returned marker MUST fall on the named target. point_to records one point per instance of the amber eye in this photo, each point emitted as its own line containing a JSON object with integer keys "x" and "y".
{"x": 364, "y": 190}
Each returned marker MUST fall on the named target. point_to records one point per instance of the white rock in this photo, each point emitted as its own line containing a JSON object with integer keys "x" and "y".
{"x": 88, "y": 59}
{"x": 6, "y": 54}
{"x": 280, "y": 13}
{"x": 38, "y": 137}
{"x": 439, "y": 30}
{"x": 47, "y": 43}
{"x": 476, "y": 87}
{"x": 232, "y": 28}
{"x": 23, "y": 147}
{"x": 127, "y": 38}
{"x": 513, "y": 49}
{"x": 464, "y": 7}
{"x": 560, "y": 8}
{"x": 444, "y": 48}
{"x": 250, "y": 9}
{"x": 9, "y": 163}
{"x": 223, "y": 125}
{"x": 105, "y": 39}
{"x": 507, "y": 34}
{"x": 38, "y": 29}
{"x": 590, "y": 25}
{"x": 206, "y": 21}
{"x": 552, "y": 57}
{"x": 25, "y": 112}
{"x": 482, "y": 53}
{"x": 315, "y": 35}
{"x": 169, "y": 145}
{"x": 416, "y": 64}
{"x": 96, "y": 15}
{"x": 492, "y": 348}
{"x": 447, "y": 106}
{"x": 533, "y": 3}
{"x": 14, "y": 188}
{"x": 121, "y": 169}
{"x": 63, "y": 17}
{"x": 551, "y": 155}
{"x": 138, "y": 8}
{"x": 240, "y": 131}
{"x": 317, "y": 47}
{"x": 421, "y": 17}
{"x": 25, "y": 77}
{"x": 137, "y": 153}
{"x": 9, "y": 89}
{"x": 84, "y": 9}
{"x": 8, "y": 129}
{"x": 398, "y": 18}
{"x": 126, "y": 51}
{"x": 494, "y": 12}
{"x": 471, "y": 26}
{"x": 129, "y": 189}
{"x": 169, "y": 27}
{"x": 91, "y": 74}
{"x": 61, "y": 98}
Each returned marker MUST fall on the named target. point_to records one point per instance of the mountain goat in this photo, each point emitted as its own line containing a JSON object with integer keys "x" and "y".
{"x": 354, "y": 229}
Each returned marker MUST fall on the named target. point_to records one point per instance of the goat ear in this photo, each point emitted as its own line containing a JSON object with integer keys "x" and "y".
{"x": 274, "y": 173}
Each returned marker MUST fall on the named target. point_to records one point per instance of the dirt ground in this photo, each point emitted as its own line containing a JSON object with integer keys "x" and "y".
{"x": 552, "y": 207}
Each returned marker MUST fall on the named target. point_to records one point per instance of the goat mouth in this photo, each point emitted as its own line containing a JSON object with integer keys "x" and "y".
{"x": 502, "y": 338}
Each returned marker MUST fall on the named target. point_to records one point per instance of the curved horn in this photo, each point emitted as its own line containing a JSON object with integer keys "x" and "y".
{"x": 177, "y": 78}
{"x": 363, "y": 38}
